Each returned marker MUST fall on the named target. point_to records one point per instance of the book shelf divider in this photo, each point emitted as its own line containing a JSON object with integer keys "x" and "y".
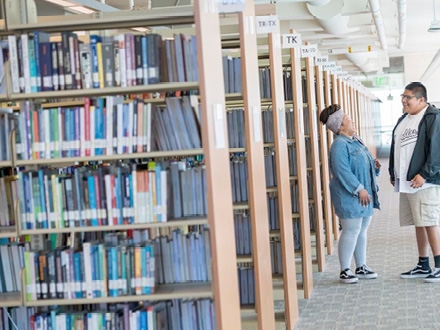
{"x": 323, "y": 149}
{"x": 214, "y": 137}
{"x": 307, "y": 271}
{"x": 283, "y": 183}
{"x": 316, "y": 176}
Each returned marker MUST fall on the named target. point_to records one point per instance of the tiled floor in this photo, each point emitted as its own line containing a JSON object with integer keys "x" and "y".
{"x": 387, "y": 302}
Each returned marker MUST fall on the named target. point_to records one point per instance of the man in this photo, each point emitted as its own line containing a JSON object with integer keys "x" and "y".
{"x": 415, "y": 173}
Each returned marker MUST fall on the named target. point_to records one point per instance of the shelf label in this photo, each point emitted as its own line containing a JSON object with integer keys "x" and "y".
{"x": 309, "y": 51}
{"x": 321, "y": 60}
{"x": 219, "y": 126}
{"x": 256, "y": 116}
{"x": 292, "y": 40}
{"x": 329, "y": 66}
{"x": 267, "y": 24}
{"x": 282, "y": 120}
{"x": 230, "y": 6}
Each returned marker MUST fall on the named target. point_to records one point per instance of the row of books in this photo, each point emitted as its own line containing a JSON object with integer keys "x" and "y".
{"x": 270, "y": 167}
{"x": 246, "y": 283}
{"x": 176, "y": 314}
{"x": 236, "y": 130}
{"x": 243, "y": 232}
{"x": 265, "y": 84}
{"x": 115, "y": 194}
{"x": 43, "y": 64}
{"x": 85, "y": 196}
{"x": 239, "y": 177}
{"x": 106, "y": 126}
{"x": 268, "y": 125}
{"x": 276, "y": 256}
{"x": 99, "y": 269}
{"x": 8, "y": 195}
{"x": 232, "y": 74}
{"x": 11, "y": 263}
{"x": 90, "y": 272}
{"x": 176, "y": 126}
{"x": 8, "y": 122}
{"x": 273, "y": 211}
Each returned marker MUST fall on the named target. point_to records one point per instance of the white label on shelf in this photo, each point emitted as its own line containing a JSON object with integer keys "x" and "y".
{"x": 329, "y": 66}
{"x": 219, "y": 126}
{"x": 301, "y": 120}
{"x": 44, "y": 288}
{"x": 60, "y": 287}
{"x": 19, "y": 148}
{"x": 256, "y": 116}
{"x": 292, "y": 40}
{"x": 267, "y": 24}
{"x": 321, "y": 60}
{"x": 231, "y": 6}
{"x": 40, "y": 217}
{"x": 52, "y": 288}
{"x": 309, "y": 51}
{"x": 30, "y": 288}
{"x": 282, "y": 120}
{"x": 133, "y": 283}
{"x": 314, "y": 120}
{"x": 47, "y": 81}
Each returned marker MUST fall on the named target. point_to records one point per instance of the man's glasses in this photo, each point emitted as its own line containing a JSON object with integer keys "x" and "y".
{"x": 407, "y": 97}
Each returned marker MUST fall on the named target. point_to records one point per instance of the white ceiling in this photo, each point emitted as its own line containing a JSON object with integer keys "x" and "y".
{"x": 353, "y": 26}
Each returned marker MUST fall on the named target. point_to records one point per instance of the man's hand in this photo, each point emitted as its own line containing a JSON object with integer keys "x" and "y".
{"x": 418, "y": 181}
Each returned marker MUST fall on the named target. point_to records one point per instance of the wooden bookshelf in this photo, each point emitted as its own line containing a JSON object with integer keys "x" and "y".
{"x": 256, "y": 186}
{"x": 10, "y": 299}
{"x": 170, "y": 223}
{"x": 75, "y": 93}
{"x": 307, "y": 271}
{"x": 282, "y": 171}
{"x": 6, "y": 232}
{"x": 316, "y": 171}
{"x": 224, "y": 287}
{"x": 109, "y": 158}
{"x": 323, "y": 149}
{"x": 163, "y": 292}
{"x": 100, "y": 20}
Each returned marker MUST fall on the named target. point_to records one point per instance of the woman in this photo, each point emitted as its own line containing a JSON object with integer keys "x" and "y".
{"x": 353, "y": 191}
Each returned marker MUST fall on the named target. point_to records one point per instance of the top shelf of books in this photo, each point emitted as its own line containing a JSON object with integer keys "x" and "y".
{"x": 100, "y": 20}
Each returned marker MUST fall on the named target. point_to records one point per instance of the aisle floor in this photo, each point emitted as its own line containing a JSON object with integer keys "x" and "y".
{"x": 387, "y": 302}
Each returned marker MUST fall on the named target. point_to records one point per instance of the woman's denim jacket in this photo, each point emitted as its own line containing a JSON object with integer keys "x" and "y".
{"x": 352, "y": 168}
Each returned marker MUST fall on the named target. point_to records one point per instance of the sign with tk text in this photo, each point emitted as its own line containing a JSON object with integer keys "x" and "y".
{"x": 292, "y": 40}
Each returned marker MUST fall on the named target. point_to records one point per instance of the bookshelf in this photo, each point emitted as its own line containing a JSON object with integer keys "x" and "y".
{"x": 223, "y": 289}
{"x": 306, "y": 250}
{"x": 283, "y": 183}
{"x": 315, "y": 160}
{"x": 255, "y": 157}
{"x": 323, "y": 148}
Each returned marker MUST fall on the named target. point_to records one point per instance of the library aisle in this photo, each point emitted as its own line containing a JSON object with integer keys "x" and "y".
{"x": 387, "y": 302}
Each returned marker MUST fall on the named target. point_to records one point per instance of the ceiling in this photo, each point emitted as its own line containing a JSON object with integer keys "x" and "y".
{"x": 345, "y": 30}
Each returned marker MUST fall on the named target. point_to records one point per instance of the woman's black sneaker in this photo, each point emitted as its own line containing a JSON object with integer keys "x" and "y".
{"x": 365, "y": 272}
{"x": 347, "y": 276}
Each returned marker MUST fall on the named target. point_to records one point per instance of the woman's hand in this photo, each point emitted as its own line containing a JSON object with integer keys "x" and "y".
{"x": 377, "y": 164}
{"x": 364, "y": 198}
